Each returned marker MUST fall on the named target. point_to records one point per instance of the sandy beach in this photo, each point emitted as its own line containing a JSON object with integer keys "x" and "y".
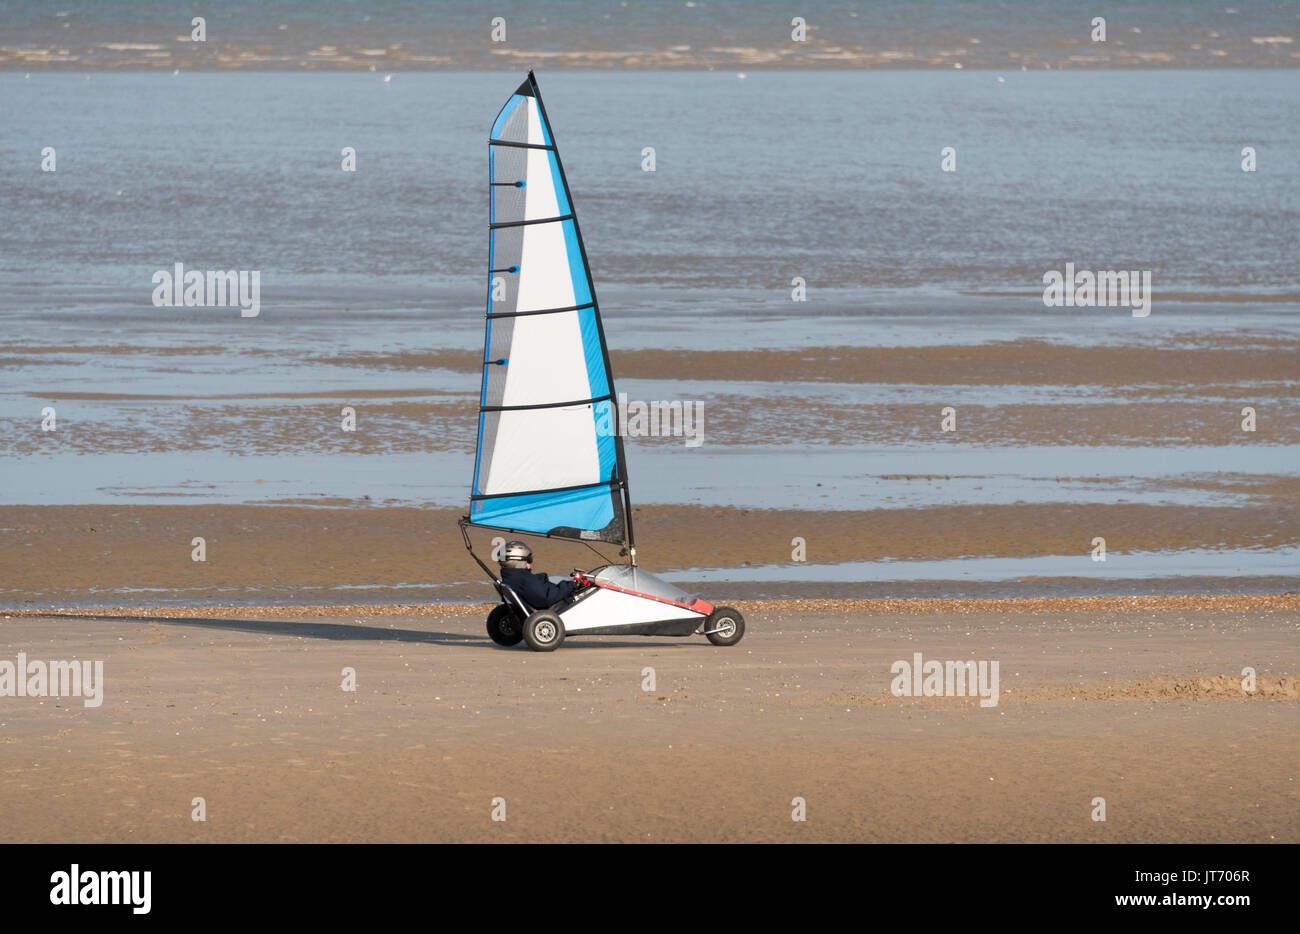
{"x": 1137, "y": 701}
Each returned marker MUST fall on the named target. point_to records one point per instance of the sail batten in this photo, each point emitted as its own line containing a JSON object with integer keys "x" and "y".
{"x": 549, "y": 459}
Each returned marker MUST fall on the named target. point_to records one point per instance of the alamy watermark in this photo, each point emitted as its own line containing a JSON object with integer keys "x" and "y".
{"x": 1088, "y": 289}
{"x": 86, "y": 887}
{"x": 53, "y": 679}
{"x": 933, "y": 678}
{"x": 213, "y": 288}
{"x": 638, "y": 419}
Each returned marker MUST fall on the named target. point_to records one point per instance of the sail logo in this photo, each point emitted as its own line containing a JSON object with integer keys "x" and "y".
{"x": 933, "y": 678}
{"x": 637, "y": 419}
{"x": 86, "y": 887}
{"x": 56, "y": 679}
{"x": 213, "y": 288}
{"x": 1088, "y": 289}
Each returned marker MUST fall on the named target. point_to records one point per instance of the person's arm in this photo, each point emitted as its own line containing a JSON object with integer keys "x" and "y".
{"x": 538, "y": 591}
{"x": 557, "y": 592}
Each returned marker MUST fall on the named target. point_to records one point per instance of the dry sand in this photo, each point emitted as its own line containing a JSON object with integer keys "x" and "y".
{"x": 1138, "y": 702}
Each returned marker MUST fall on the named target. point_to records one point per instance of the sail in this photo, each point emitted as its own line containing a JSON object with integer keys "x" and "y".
{"x": 549, "y": 457}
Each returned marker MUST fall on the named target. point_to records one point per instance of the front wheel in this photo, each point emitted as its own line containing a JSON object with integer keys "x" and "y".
{"x": 543, "y": 631}
{"x": 724, "y": 626}
{"x": 503, "y": 626}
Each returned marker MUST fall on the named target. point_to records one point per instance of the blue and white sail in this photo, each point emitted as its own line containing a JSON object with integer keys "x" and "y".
{"x": 549, "y": 459}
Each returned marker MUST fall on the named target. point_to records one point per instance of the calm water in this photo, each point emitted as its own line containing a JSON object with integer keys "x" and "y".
{"x": 834, "y": 177}
{"x": 749, "y": 476}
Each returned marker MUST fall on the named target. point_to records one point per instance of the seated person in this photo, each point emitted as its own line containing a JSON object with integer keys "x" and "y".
{"x": 534, "y": 589}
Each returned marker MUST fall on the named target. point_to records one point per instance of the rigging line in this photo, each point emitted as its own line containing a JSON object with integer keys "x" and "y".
{"x": 539, "y": 220}
{"x": 540, "y": 405}
{"x": 554, "y": 489}
{"x": 593, "y": 548}
{"x": 506, "y": 142}
{"x": 464, "y": 531}
{"x": 539, "y": 311}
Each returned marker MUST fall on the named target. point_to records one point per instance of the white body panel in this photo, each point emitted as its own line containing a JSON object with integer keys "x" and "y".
{"x": 612, "y": 608}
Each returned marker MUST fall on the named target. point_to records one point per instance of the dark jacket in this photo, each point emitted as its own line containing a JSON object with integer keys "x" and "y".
{"x": 536, "y": 589}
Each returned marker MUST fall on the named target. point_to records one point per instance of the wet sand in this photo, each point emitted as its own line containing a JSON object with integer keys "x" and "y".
{"x": 705, "y": 36}
{"x": 1007, "y": 394}
{"x": 141, "y": 555}
{"x": 1023, "y": 400}
{"x": 272, "y": 425}
{"x": 1140, "y": 706}
{"x": 1019, "y": 363}
{"x": 1193, "y": 364}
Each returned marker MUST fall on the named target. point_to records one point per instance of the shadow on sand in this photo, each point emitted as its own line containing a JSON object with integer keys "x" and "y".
{"x": 356, "y": 632}
{"x": 341, "y": 632}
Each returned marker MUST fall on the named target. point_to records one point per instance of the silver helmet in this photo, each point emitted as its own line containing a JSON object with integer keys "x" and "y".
{"x": 515, "y": 551}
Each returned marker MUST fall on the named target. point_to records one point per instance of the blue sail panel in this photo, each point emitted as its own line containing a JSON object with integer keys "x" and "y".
{"x": 567, "y": 514}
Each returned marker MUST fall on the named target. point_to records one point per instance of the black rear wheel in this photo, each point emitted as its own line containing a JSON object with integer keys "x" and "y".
{"x": 724, "y": 626}
{"x": 503, "y": 626}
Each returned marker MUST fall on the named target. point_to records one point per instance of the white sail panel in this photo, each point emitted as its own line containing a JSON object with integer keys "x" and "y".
{"x": 540, "y": 200}
{"x": 545, "y": 274}
{"x": 525, "y": 462}
{"x": 537, "y": 134}
{"x": 548, "y": 364}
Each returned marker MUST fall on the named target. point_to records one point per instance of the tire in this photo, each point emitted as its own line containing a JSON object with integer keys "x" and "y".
{"x": 503, "y": 626}
{"x": 543, "y": 631}
{"x": 720, "y": 618}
